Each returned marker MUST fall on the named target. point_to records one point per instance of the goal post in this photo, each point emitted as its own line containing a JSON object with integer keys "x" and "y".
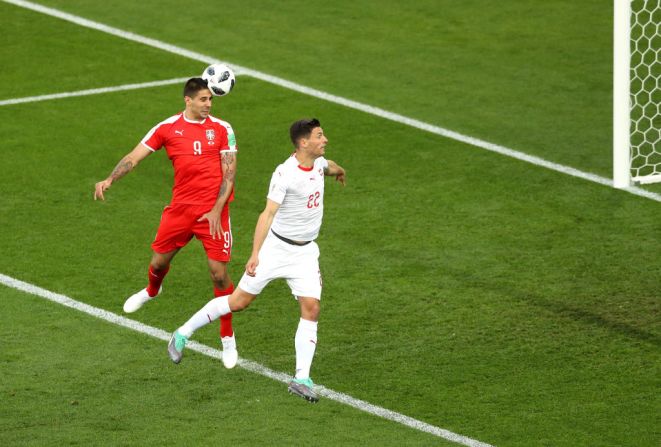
{"x": 636, "y": 92}
{"x": 621, "y": 115}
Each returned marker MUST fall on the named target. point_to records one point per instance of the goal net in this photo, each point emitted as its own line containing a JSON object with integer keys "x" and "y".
{"x": 637, "y": 92}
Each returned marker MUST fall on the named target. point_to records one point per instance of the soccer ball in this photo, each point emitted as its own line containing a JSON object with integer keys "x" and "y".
{"x": 220, "y": 79}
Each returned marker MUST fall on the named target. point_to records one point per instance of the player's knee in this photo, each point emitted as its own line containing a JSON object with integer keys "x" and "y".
{"x": 220, "y": 277}
{"x": 312, "y": 315}
{"x": 161, "y": 261}
{"x": 240, "y": 301}
{"x": 310, "y": 310}
{"x": 158, "y": 265}
{"x": 239, "y": 305}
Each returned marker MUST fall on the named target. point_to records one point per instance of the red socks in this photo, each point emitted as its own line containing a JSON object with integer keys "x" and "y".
{"x": 155, "y": 280}
{"x": 226, "y": 329}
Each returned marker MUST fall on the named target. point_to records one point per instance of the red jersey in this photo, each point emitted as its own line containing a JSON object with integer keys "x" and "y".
{"x": 194, "y": 149}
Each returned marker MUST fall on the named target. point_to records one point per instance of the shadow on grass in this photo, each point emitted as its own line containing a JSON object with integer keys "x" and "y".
{"x": 581, "y": 315}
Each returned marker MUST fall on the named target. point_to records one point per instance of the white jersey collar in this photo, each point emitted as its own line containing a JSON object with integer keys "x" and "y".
{"x": 183, "y": 115}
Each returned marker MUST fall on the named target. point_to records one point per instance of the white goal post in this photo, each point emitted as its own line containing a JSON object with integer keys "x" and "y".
{"x": 636, "y": 92}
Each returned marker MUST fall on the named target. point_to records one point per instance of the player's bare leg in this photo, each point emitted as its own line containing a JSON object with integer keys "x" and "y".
{"x": 223, "y": 286}
{"x": 306, "y": 343}
{"x": 236, "y": 302}
{"x": 158, "y": 268}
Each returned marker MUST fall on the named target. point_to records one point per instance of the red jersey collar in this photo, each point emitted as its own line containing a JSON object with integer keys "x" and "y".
{"x": 303, "y": 168}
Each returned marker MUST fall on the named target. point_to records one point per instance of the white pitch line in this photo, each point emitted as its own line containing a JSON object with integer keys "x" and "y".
{"x": 245, "y": 364}
{"x": 332, "y": 98}
{"x": 92, "y": 91}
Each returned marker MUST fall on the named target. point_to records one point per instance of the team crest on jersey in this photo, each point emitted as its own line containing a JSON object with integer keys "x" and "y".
{"x": 211, "y": 134}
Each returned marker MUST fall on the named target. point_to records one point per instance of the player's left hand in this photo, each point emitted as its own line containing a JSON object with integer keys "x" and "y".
{"x": 341, "y": 177}
{"x": 215, "y": 227}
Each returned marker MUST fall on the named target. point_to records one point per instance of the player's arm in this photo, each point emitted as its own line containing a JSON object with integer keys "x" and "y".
{"x": 261, "y": 231}
{"x": 125, "y": 165}
{"x": 228, "y": 166}
{"x": 335, "y": 170}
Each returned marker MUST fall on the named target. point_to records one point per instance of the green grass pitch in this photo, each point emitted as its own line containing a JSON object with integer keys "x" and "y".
{"x": 493, "y": 298}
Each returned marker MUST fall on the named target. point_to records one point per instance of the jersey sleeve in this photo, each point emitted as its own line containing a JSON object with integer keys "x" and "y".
{"x": 155, "y": 138}
{"x": 278, "y": 187}
{"x": 323, "y": 163}
{"x": 230, "y": 145}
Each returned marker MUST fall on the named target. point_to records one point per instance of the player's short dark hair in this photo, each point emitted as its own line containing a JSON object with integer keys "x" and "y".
{"x": 302, "y": 129}
{"x": 194, "y": 85}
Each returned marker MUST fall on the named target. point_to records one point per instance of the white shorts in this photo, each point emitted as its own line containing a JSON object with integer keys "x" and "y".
{"x": 298, "y": 264}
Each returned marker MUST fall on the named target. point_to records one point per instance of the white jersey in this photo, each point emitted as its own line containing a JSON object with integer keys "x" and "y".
{"x": 300, "y": 193}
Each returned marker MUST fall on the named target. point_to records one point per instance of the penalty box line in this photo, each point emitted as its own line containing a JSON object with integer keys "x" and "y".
{"x": 243, "y": 363}
{"x": 401, "y": 119}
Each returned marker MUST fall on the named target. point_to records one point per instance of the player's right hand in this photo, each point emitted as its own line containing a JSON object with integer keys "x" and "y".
{"x": 251, "y": 266}
{"x": 215, "y": 225}
{"x": 100, "y": 187}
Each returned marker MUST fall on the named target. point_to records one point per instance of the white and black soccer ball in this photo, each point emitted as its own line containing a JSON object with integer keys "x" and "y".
{"x": 220, "y": 79}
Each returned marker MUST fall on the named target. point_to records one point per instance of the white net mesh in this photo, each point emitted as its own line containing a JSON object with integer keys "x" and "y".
{"x": 646, "y": 90}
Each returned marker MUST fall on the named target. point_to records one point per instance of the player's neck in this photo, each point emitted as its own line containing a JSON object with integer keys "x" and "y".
{"x": 189, "y": 116}
{"x": 304, "y": 160}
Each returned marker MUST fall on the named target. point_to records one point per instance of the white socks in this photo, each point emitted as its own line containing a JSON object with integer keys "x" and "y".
{"x": 305, "y": 342}
{"x": 210, "y": 312}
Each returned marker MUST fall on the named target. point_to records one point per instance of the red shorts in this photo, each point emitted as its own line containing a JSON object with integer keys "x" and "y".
{"x": 179, "y": 224}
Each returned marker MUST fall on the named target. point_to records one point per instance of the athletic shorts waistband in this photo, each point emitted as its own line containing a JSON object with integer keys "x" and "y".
{"x": 289, "y": 241}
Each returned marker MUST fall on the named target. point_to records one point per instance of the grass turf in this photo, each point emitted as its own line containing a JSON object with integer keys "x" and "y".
{"x": 474, "y": 292}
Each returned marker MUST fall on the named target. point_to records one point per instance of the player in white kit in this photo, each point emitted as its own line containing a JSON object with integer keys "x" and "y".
{"x": 284, "y": 247}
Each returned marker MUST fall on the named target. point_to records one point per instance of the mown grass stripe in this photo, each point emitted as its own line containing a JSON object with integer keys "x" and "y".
{"x": 335, "y": 99}
{"x": 243, "y": 363}
{"x": 91, "y": 91}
